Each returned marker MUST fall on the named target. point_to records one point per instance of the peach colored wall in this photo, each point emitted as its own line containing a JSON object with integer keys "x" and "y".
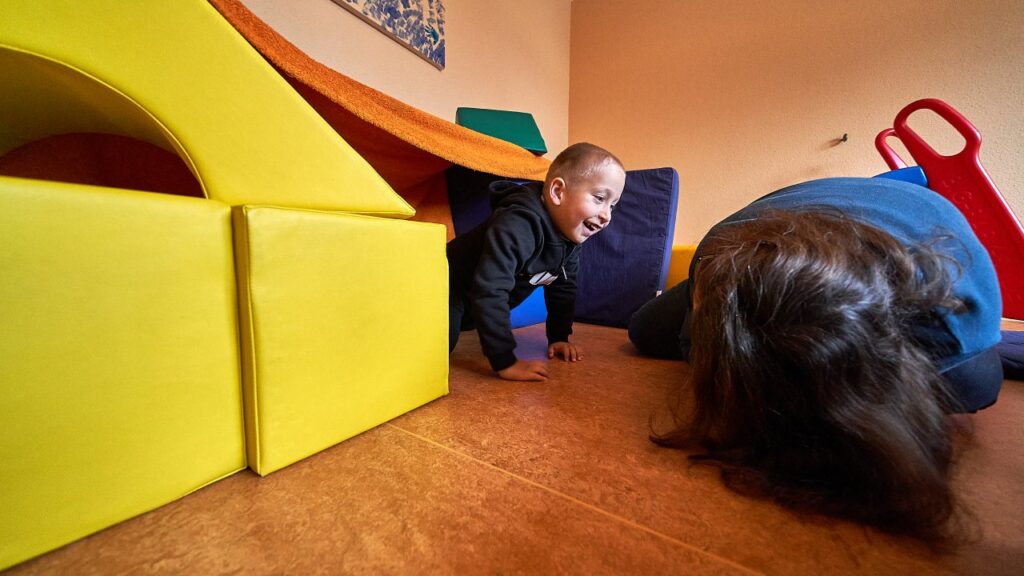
{"x": 743, "y": 97}
{"x": 503, "y": 54}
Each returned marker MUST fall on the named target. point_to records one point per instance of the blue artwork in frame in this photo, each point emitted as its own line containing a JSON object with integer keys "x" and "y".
{"x": 416, "y": 24}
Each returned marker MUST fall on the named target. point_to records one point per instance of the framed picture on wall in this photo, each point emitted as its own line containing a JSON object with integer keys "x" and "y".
{"x": 416, "y": 24}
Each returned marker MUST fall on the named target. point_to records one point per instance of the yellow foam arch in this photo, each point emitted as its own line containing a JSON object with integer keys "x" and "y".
{"x": 176, "y": 74}
{"x": 42, "y": 97}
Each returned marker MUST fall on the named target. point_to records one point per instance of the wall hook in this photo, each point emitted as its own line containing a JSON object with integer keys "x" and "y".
{"x": 837, "y": 141}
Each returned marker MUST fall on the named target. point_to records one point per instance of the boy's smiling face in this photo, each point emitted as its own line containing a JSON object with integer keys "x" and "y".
{"x": 583, "y": 207}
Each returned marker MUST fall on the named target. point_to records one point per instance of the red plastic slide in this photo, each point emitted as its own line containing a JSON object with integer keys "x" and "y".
{"x": 963, "y": 181}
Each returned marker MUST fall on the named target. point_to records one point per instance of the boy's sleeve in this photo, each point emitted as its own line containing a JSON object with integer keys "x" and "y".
{"x": 560, "y": 299}
{"x": 509, "y": 240}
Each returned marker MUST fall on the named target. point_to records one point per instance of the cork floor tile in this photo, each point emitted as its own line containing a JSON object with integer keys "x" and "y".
{"x": 584, "y": 433}
{"x": 385, "y": 502}
{"x": 540, "y": 478}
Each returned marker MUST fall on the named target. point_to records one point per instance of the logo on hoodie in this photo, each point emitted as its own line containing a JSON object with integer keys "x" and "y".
{"x": 543, "y": 278}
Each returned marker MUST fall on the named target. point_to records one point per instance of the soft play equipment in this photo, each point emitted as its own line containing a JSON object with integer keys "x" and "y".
{"x": 911, "y": 174}
{"x": 119, "y": 378}
{"x": 333, "y": 363}
{"x": 152, "y": 344}
{"x": 516, "y": 127}
{"x": 624, "y": 266}
{"x": 627, "y": 263}
{"x": 1011, "y": 354}
{"x": 122, "y": 375}
{"x": 237, "y": 150}
{"x": 409, "y": 148}
{"x": 679, "y": 264}
{"x": 963, "y": 181}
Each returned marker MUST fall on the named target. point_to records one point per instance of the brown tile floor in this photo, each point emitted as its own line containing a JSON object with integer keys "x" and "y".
{"x": 501, "y": 477}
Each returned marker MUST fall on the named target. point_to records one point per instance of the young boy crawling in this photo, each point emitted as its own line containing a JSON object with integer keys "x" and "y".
{"x": 531, "y": 239}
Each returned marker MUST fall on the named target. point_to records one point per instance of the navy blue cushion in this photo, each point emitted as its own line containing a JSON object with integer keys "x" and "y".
{"x": 468, "y": 197}
{"x": 1011, "y": 354}
{"x": 626, "y": 264}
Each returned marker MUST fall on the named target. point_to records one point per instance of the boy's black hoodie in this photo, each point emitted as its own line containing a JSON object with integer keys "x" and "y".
{"x": 498, "y": 264}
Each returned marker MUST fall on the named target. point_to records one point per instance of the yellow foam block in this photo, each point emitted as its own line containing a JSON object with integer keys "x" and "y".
{"x": 180, "y": 76}
{"x": 344, "y": 326}
{"x": 679, "y": 264}
{"x": 119, "y": 377}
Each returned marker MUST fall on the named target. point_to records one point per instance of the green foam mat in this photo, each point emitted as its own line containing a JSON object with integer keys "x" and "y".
{"x": 516, "y": 127}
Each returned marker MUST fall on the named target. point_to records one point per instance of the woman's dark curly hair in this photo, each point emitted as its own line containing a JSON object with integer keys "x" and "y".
{"x": 807, "y": 384}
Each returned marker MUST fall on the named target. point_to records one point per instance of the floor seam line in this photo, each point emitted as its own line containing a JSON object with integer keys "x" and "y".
{"x": 579, "y": 502}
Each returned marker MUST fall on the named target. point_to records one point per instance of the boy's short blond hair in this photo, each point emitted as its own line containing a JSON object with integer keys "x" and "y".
{"x": 579, "y": 162}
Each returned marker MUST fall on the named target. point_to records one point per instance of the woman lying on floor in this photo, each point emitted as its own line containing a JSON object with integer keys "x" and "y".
{"x": 831, "y": 328}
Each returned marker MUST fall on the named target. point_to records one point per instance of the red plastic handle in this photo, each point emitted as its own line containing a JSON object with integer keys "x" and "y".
{"x": 963, "y": 181}
{"x": 920, "y": 150}
{"x": 892, "y": 159}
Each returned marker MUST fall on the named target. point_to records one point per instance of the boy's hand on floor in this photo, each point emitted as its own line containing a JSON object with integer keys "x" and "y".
{"x": 532, "y": 370}
{"x": 567, "y": 350}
